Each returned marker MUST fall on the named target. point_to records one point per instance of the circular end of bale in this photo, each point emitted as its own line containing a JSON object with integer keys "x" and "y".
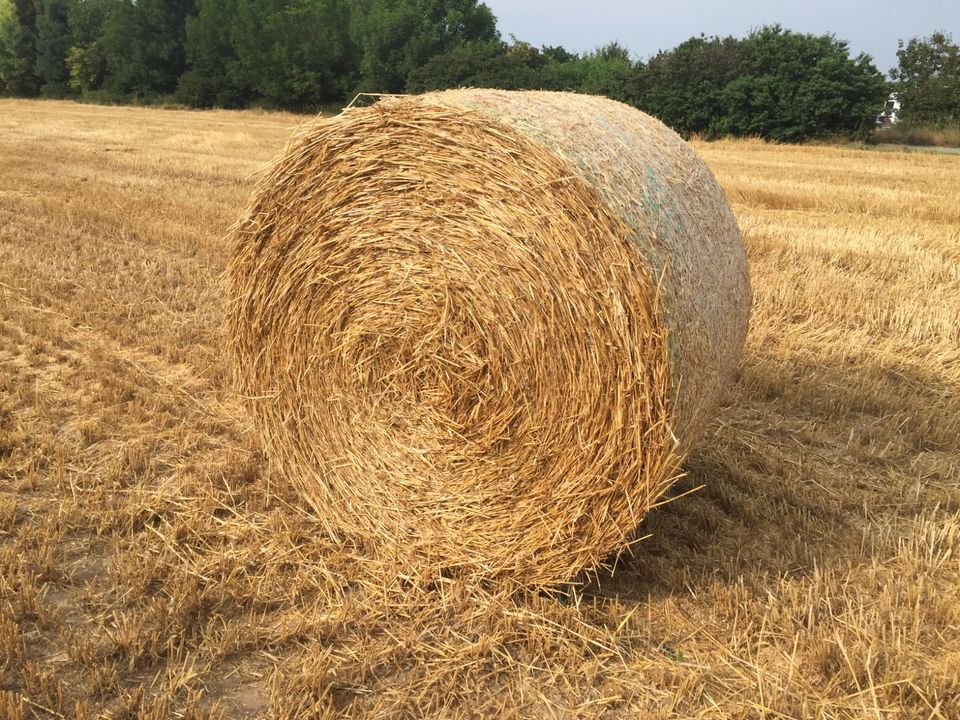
{"x": 451, "y": 344}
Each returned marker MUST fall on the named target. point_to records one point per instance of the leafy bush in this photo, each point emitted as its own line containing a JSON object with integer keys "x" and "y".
{"x": 775, "y": 84}
{"x": 925, "y": 135}
{"x": 87, "y": 66}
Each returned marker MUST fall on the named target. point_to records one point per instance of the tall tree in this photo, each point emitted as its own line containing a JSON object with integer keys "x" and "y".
{"x": 18, "y": 48}
{"x": 293, "y": 53}
{"x": 775, "y": 84}
{"x": 144, "y": 44}
{"x": 928, "y": 79}
{"x": 54, "y": 40}
{"x": 606, "y": 71}
{"x": 490, "y": 63}
{"x": 397, "y": 36}
{"x": 795, "y": 86}
{"x": 86, "y": 60}
{"x": 86, "y": 19}
{"x": 683, "y": 86}
{"x": 210, "y": 52}
{"x": 557, "y": 53}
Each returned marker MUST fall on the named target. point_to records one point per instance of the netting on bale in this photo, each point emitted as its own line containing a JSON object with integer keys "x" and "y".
{"x": 480, "y": 329}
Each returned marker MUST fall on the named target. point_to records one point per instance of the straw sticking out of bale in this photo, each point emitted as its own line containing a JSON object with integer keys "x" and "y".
{"x": 479, "y": 329}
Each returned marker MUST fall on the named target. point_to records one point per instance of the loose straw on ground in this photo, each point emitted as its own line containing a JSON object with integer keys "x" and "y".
{"x": 480, "y": 329}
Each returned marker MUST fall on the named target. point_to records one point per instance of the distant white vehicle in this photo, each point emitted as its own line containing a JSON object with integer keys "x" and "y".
{"x": 891, "y": 108}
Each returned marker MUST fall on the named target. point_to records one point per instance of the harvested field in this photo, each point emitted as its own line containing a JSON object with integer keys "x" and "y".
{"x": 153, "y": 565}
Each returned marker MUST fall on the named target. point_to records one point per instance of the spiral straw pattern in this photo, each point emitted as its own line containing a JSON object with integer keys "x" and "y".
{"x": 480, "y": 329}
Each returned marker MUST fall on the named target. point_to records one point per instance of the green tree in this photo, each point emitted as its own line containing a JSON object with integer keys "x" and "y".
{"x": 54, "y": 40}
{"x": 487, "y": 64}
{"x": 9, "y": 36}
{"x": 775, "y": 84}
{"x": 210, "y": 53}
{"x": 144, "y": 43}
{"x": 683, "y": 86}
{"x": 607, "y": 71}
{"x": 456, "y": 67}
{"x": 86, "y": 60}
{"x": 88, "y": 67}
{"x": 927, "y": 79}
{"x": 519, "y": 66}
{"x": 612, "y": 52}
{"x": 797, "y": 86}
{"x": 397, "y": 36}
{"x": 557, "y": 53}
{"x": 86, "y": 19}
{"x": 18, "y": 48}
{"x": 293, "y": 53}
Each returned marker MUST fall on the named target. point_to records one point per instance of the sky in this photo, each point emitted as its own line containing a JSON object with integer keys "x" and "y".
{"x": 645, "y": 27}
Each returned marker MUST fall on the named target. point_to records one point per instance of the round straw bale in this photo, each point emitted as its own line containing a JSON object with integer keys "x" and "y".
{"x": 480, "y": 329}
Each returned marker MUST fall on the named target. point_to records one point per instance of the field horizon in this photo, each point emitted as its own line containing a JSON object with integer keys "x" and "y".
{"x": 154, "y": 565}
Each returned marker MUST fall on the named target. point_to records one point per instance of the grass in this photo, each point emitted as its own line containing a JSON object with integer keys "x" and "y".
{"x": 152, "y": 565}
{"x": 948, "y": 136}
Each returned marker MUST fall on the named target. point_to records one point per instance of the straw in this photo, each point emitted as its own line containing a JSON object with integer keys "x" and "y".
{"x": 479, "y": 329}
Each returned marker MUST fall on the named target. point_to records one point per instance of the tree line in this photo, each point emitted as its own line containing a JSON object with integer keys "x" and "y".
{"x": 306, "y": 54}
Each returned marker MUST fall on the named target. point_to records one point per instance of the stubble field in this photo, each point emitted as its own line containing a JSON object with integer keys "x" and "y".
{"x": 153, "y": 566}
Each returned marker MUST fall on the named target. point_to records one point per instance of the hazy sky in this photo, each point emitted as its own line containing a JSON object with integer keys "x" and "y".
{"x": 871, "y": 26}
